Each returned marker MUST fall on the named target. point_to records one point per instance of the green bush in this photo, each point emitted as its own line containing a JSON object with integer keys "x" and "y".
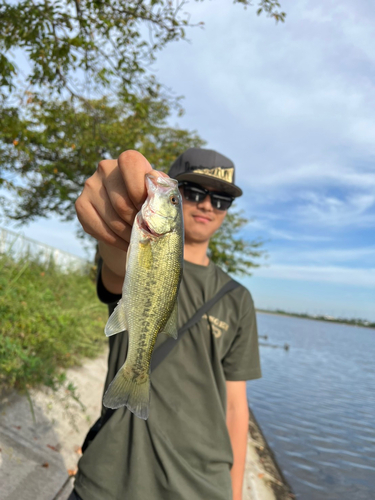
{"x": 48, "y": 320}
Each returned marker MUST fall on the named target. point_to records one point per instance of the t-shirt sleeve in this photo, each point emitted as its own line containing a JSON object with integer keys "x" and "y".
{"x": 242, "y": 360}
{"x": 103, "y": 294}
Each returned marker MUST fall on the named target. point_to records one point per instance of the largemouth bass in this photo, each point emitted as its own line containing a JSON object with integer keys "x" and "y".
{"x": 149, "y": 296}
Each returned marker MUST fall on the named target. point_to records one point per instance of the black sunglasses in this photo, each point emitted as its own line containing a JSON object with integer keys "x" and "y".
{"x": 197, "y": 193}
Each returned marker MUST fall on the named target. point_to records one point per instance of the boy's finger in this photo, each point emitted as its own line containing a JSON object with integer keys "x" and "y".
{"x": 134, "y": 167}
{"x": 93, "y": 224}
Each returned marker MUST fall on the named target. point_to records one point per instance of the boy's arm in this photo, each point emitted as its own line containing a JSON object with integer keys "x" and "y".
{"x": 238, "y": 424}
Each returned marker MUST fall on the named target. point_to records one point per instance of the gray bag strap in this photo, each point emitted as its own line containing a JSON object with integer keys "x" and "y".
{"x": 165, "y": 348}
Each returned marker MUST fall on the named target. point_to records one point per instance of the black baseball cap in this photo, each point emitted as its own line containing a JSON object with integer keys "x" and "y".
{"x": 205, "y": 166}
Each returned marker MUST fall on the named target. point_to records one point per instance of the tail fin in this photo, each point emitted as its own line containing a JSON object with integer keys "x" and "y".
{"x": 130, "y": 391}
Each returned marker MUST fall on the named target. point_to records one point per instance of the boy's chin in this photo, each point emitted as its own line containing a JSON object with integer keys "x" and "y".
{"x": 196, "y": 237}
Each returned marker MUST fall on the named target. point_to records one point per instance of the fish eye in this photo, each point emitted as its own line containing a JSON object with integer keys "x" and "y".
{"x": 173, "y": 199}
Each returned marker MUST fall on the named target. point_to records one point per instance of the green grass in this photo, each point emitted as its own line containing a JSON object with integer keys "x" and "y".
{"x": 49, "y": 321}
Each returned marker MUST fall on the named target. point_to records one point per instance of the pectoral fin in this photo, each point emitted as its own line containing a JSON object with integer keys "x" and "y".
{"x": 117, "y": 321}
{"x": 170, "y": 328}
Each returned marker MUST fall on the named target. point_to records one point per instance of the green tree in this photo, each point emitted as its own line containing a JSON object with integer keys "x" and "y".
{"x": 86, "y": 47}
{"x": 54, "y": 146}
{"x": 88, "y": 94}
{"x": 229, "y": 250}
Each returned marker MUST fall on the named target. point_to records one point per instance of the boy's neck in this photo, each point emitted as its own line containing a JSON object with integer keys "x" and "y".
{"x": 196, "y": 253}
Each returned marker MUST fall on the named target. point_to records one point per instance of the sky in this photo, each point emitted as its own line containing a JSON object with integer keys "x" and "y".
{"x": 293, "y": 105}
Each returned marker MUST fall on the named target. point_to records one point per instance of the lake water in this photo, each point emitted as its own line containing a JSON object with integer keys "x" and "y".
{"x": 316, "y": 406}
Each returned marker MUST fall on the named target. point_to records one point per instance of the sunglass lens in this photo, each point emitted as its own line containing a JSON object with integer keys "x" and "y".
{"x": 197, "y": 194}
{"x": 192, "y": 193}
{"x": 221, "y": 202}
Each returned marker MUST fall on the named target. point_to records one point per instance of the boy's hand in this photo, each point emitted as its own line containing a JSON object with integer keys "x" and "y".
{"x": 111, "y": 198}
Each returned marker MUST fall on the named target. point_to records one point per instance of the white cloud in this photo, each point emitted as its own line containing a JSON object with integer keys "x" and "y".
{"x": 322, "y": 210}
{"x": 325, "y": 256}
{"x": 316, "y": 174}
{"x": 280, "y": 234}
{"x": 292, "y": 104}
{"x": 300, "y": 95}
{"x": 329, "y": 274}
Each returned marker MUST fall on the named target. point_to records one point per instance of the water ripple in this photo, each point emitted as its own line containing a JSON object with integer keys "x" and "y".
{"x": 316, "y": 406}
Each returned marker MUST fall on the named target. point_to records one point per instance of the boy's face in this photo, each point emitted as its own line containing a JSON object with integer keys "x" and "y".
{"x": 201, "y": 220}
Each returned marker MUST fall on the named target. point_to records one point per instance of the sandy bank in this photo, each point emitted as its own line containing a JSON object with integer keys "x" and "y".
{"x": 39, "y": 458}
{"x": 263, "y": 478}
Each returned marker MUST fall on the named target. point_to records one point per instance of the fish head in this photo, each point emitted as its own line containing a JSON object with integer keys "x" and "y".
{"x": 162, "y": 210}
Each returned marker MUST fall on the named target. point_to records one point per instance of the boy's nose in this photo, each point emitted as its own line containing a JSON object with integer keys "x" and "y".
{"x": 206, "y": 203}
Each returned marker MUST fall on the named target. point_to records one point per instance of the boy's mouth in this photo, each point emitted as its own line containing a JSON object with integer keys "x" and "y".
{"x": 201, "y": 218}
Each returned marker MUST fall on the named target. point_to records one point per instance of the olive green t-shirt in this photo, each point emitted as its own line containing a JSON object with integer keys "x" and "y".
{"x": 183, "y": 450}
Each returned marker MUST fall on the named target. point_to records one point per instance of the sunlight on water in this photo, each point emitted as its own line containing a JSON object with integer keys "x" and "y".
{"x": 316, "y": 406}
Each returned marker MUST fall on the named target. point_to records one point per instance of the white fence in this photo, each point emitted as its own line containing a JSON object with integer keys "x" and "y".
{"x": 20, "y": 247}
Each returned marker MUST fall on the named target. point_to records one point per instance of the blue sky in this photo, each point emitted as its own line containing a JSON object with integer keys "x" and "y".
{"x": 293, "y": 105}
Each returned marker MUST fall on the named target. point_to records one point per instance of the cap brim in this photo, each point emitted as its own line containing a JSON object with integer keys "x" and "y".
{"x": 209, "y": 180}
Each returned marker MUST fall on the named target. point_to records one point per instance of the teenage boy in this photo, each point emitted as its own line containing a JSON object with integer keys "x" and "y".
{"x": 193, "y": 445}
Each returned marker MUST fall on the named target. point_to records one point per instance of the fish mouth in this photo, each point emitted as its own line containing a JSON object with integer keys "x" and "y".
{"x": 147, "y": 229}
{"x": 147, "y": 210}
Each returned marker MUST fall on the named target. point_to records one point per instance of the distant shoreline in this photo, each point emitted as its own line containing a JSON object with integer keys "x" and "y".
{"x": 329, "y": 319}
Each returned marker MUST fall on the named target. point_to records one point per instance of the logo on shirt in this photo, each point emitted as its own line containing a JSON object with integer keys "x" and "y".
{"x": 217, "y": 325}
